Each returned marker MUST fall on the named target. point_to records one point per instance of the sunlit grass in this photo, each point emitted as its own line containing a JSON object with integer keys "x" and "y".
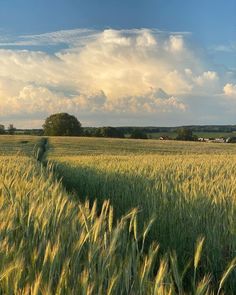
{"x": 189, "y": 195}
{"x": 168, "y": 227}
{"x": 18, "y": 144}
{"x": 76, "y": 146}
{"x": 51, "y": 244}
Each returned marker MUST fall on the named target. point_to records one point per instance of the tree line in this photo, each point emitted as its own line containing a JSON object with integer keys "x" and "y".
{"x": 10, "y": 129}
{"x": 63, "y": 124}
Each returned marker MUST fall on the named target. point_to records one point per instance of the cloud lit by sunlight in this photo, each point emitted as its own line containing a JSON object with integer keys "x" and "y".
{"x": 128, "y": 72}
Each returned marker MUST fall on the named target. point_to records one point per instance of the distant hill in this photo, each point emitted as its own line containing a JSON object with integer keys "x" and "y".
{"x": 194, "y": 128}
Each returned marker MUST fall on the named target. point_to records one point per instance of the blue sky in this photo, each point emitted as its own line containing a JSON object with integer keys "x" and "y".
{"x": 210, "y": 21}
{"x": 66, "y": 32}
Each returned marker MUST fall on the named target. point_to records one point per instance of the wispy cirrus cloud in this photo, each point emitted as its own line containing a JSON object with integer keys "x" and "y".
{"x": 75, "y": 37}
{"x": 228, "y": 48}
{"x": 68, "y": 37}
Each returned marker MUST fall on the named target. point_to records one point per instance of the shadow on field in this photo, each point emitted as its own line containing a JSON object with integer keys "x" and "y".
{"x": 180, "y": 218}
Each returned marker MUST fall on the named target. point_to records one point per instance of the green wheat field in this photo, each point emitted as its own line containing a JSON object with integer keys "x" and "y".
{"x": 116, "y": 216}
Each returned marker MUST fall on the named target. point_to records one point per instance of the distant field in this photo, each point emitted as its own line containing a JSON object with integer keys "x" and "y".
{"x": 74, "y": 146}
{"x": 18, "y": 144}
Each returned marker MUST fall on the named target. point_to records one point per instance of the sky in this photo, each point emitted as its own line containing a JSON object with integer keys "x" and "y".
{"x": 118, "y": 63}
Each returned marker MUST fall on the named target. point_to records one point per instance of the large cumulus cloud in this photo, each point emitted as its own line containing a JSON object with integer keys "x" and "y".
{"x": 127, "y": 73}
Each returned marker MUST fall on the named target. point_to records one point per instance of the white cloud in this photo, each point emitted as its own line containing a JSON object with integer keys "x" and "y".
{"x": 107, "y": 72}
{"x": 206, "y": 77}
{"x": 175, "y": 43}
{"x": 78, "y": 37}
{"x": 207, "y": 82}
{"x": 230, "y": 90}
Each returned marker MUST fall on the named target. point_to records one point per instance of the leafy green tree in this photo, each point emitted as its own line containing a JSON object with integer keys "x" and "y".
{"x": 62, "y": 124}
{"x": 138, "y": 134}
{"x": 185, "y": 134}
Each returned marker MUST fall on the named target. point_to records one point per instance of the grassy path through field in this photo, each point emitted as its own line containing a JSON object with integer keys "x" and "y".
{"x": 42, "y": 148}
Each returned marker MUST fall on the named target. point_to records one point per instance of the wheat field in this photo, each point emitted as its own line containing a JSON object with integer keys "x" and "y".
{"x": 190, "y": 194}
{"x": 188, "y": 197}
{"x": 21, "y": 145}
{"x": 51, "y": 244}
{"x": 117, "y": 224}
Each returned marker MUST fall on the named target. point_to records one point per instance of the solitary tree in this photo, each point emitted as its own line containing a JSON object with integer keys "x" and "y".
{"x": 62, "y": 124}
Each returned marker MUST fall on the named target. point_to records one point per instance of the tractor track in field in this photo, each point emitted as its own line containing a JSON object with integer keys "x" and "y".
{"x": 42, "y": 149}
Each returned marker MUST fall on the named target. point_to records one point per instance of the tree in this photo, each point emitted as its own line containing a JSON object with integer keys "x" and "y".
{"x": 2, "y": 129}
{"x": 11, "y": 129}
{"x": 62, "y": 124}
{"x": 138, "y": 134}
{"x": 185, "y": 134}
